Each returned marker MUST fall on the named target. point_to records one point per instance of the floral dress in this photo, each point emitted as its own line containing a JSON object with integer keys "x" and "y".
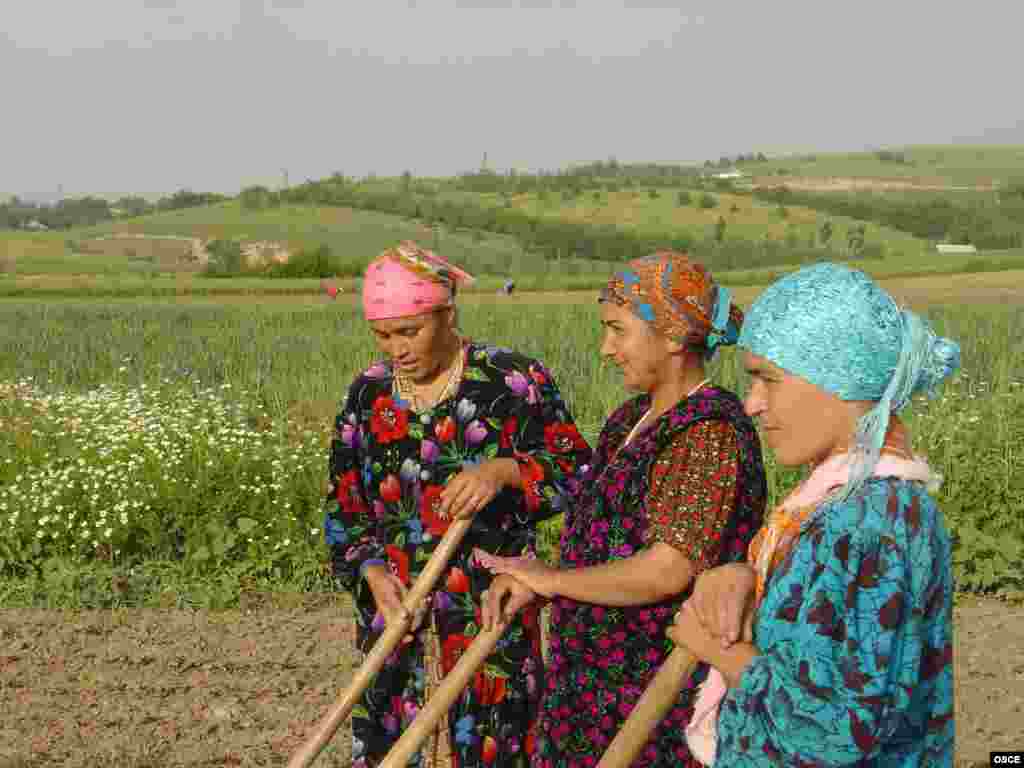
{"x": 856, "y": 639}
{"x": 694, "y": 480}
{"x": 388, "y": 466}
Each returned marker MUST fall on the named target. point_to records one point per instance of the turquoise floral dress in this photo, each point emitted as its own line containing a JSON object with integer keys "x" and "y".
{"x": 856, "y": 639}
{"x": 388, "y": 466}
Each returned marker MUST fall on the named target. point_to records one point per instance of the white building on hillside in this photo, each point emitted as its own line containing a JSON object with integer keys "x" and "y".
{"x": 951, "y": 248}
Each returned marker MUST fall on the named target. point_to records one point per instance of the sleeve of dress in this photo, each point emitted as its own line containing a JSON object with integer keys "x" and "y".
{"x": 348, "y": 529}
{"x": 855, "y": 649}
{"x": 693, "y": 491}
{"x": 542, "y": 437}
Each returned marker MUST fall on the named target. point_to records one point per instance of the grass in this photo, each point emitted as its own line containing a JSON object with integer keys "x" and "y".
{"x": 567, "y": 275}
{"x": 157, "y": 452}
{"x": 955, "y": 165}
{"x": 354, "y": 236}
{"x": 745, "y": 217}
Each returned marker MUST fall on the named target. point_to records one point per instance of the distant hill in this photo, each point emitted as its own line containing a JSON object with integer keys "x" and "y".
{"x": 930, "y": 166}
{"x": 354, "y": 236}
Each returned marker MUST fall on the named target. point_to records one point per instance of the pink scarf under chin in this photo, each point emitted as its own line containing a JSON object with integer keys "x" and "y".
{"x": 702, "y": 731}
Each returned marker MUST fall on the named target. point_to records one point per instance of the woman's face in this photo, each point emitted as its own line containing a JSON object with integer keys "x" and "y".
{"x": 643, "y": 355}
{"x": 418, "y": 346}
{"x": 801, "y": 423}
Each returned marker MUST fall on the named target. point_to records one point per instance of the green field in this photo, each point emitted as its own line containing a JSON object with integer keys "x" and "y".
{"x": 44, "y": 264}
{"x": 354, "y": 236}
{"x": 182, "y": 447}
{"x": 744, "y": 218}
{"x": 954, "y": 165}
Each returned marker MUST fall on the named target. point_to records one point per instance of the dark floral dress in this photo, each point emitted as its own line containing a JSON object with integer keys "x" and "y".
{"x": 602, "y": 658}
{"x": 388, "y": 465}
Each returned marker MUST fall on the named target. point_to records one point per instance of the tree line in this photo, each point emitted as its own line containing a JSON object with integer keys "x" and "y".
{"x": 551, "y": 237}
{"x": 984, "y": 224}
{"x": 88, "y": 210}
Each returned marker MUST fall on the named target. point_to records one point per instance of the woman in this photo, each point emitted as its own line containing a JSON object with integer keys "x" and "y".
{"x": 849, "y": 658}
{"x": 443, "y": 428}
{"x": 677, "y": 485}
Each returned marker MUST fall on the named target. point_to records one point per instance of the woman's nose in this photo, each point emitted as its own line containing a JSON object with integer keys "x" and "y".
{"x": 753, "y": 403}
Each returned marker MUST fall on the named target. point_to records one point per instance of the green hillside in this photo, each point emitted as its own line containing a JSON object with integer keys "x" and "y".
{"x": 948, "y": 165}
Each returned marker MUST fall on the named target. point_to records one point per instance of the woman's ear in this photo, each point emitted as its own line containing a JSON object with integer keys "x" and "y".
{"x": 674, "y": 347}
{"x": 451, "y": 319}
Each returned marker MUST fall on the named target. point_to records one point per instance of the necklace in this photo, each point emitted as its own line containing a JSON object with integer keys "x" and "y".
{"x": 407, "y": 390}
{"x": 636, "y": 427}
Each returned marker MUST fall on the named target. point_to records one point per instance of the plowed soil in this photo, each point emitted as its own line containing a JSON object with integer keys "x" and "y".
{"x": 169, "y": 688}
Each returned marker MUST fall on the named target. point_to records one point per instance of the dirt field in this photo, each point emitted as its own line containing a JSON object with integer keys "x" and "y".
{"x": 141, "y": 689}
{"x": 861, "y": 184}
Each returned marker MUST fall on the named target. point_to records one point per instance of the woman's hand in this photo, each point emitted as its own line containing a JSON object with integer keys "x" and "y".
{"x": 723, "y": 601}
{"x": 472, "y": 489}
{"x": 533, "y": 573}
{"x": 689, "y": 633}
{"x": 518, "y": 594}
{"x": 389, "y": 596}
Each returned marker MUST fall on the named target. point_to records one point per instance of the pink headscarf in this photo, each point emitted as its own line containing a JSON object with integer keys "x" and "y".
{"x": 408, "y": 280}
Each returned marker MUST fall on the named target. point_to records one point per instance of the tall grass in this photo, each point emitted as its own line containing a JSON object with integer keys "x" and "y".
{"x": 149, "y": 451}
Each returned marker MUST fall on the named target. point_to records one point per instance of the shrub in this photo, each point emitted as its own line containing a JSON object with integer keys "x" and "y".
{"x": 707, "y": 200}
{"x": 308, "y": 263}
{"x": 225, "y": 258}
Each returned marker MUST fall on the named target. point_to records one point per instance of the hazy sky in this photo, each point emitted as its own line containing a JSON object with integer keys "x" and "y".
{"x": 149, "y": 96}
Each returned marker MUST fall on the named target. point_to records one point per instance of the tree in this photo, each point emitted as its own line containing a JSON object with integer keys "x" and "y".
{"x": 855, "y": 238}
{"x": 254, "y": 198}
{"x": 826, "y": 232}
{"x": 133, "y": 205}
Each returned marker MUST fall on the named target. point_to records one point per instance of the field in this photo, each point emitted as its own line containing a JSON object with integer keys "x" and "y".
{"x": 921, "y": 166}
{"x": 161, "y": 463}
{"x": 163, "y": 445}
{"x": 744, "y": 217}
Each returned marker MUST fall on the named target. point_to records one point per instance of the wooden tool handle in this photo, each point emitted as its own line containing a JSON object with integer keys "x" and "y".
{"x": 385, "y": 645}
{"x": 444, "y": 697}
{"x": 654, "y": 704}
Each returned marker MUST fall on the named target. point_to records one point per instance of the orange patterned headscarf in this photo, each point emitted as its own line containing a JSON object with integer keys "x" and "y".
{"x": 678, "y": 298}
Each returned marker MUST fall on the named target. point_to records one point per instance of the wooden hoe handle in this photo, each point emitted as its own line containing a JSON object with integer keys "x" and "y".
{"x": 444, "y": 697}
{"x": 385, "y": 645}
{"x": 650, "y": 710}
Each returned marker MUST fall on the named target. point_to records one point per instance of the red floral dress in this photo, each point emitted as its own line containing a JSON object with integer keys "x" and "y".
{"x": 694, "y": 480}
{"x": 387, "y": 468}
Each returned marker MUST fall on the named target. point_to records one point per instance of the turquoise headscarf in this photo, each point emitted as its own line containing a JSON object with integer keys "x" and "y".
{"x": 836, "y": 328}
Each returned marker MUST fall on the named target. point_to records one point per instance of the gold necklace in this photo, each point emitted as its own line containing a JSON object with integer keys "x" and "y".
{"x": 636, "y": 427}
{"x": 406, "y": 389}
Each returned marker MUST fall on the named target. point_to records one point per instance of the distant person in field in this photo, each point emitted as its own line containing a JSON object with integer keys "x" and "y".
{"x": 444, "y": 427}
{"x": 676, "y": 486}
{"x": 328, "y": 287}
{"x": 508, "y": 287}
{"x": 843, "y": 614}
